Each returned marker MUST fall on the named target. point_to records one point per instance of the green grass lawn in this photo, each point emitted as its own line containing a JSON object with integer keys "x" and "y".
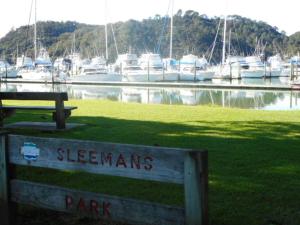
{"x": 254, "y": 156}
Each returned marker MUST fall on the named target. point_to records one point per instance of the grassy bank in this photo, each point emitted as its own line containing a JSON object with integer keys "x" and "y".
{"x": 254, "y": 156}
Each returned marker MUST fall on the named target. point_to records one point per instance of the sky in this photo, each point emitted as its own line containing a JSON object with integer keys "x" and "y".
{"x": 15, "y": 13}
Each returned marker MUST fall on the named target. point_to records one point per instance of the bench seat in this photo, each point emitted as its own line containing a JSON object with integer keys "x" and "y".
{"x": 35, "y": 107}
{"x": 7, "y": 111}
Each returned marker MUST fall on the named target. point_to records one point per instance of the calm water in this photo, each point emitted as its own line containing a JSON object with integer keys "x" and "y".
{"x": 248, "y": 99}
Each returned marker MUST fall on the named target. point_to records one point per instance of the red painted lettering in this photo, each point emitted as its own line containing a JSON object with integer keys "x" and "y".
{"x": 106, "y": 158}
{"x": 121, "y": 161}
{"x": 68, "y": 156}
{"x": 81, "y": 205}
{"x": 60, "y": 153}
{"x": 148, "y": 165}
{"x": 106, "y": 209}
{"x": 135, "y": 161}
{"x": 93, "y": 157}
{"x": 80, "y": 156}
{"x": 69, "y": 202}
{"x": 94, "y": 207}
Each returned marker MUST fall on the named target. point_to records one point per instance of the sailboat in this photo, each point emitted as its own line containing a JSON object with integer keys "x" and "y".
{"x": 96, "y": 69}
{"x": 230, "y": 67}
{"x": 42, "y": 67}
{"x": 171, "y": 72}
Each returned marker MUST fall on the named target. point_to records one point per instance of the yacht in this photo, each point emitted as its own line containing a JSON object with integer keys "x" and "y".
{"x": 231, "y": 68}
{"x": 62, "y": 64}
{"x": 152, "y": 64}
{"x": 275, "y": 66}
{"x": 193, "y": 68}
{"x": 6, "y": 70}
{"x": 25, "y": 63}
{"x": 95, "y": 70}
{"x": 294, "y": 63}
{"x": 97, "y": 65}
{"x": 171, "y": 72}
{"x": 255, "y": 69}
{"x": 127, "y": 65}
{"x": 42, "y": 68}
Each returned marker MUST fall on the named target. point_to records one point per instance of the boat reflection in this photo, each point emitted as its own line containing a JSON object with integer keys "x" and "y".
{"x": 246, "y": 99}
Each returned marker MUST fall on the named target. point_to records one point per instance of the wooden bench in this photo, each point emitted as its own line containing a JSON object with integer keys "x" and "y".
{"x": 60, "y": 112}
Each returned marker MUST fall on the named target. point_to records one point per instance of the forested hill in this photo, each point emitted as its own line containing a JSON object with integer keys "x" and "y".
{"x": 193, "y": 33}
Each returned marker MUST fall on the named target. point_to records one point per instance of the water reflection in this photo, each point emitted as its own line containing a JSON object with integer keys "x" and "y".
{"x": 248, "y": 99}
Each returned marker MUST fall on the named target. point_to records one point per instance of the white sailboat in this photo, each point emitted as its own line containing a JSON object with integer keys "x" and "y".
{"x": 230, "y": 66}
{"x": 171, "y": 73}
{"x": 42, "y": 67}
{"x": 97, "y": 69}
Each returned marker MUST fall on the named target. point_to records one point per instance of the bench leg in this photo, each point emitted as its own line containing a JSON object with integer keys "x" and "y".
{"x": 60, "y": 114}
{"x": 5, "y": 113}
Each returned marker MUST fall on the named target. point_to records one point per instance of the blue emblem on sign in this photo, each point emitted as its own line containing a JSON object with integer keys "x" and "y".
{"x": 30, "y": 151}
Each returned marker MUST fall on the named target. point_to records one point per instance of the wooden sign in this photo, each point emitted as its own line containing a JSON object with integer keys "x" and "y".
{"x": 183, "y": 166}
{"x": 142, "y": 162}
{"x": 95, "y": 205}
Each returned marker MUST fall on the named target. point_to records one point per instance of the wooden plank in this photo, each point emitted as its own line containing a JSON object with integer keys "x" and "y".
{"x": 33, "y": 95}
{"x": 60, "y": 114}
{"x": 133, "y": 161}
{"x": 95, "y": 205}
{"x": 35, "y": 107}
{"x": 196, "y": 188}
{"x": 4, "y": 187}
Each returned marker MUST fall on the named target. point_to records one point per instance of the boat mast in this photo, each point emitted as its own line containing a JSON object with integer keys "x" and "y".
{"x": 229, "y": 43}
{"x": 224, "y": 40}
{"x": 73, "y": 50}
{"x": 35, "y": 32}
{"x": 106, "y": 46}
{"x": 171, "y": 32}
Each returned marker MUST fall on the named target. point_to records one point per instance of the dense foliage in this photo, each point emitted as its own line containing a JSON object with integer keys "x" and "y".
{"x": 193, "y": 33}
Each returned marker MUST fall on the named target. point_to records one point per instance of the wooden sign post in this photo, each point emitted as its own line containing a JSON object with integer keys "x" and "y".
{"x": 181, "y": 166}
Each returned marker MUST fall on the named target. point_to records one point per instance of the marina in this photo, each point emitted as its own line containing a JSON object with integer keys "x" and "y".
{"x": 149, "y": 112}
{"x": 272, "y": 96}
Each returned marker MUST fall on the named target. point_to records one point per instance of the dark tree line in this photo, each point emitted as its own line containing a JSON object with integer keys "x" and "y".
{"x": 193, "y": 33}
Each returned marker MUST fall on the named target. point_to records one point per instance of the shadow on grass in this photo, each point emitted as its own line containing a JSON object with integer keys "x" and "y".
{"x": 254, "y": 166}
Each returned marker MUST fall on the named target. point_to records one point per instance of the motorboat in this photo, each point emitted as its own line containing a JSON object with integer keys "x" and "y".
{"x": 193, "y": 68}
{"x": 231, "y": 69}
{"x": 255, "y": 69}
{"x": 275, "y": 66}
{"x": 152, "y": 64}
{"x": 95, "y": 70}
{"x": 6, "y": 70}
{"x": 128, "y": 67}
{"x": 171, "y": 72}
{"x": 96, "y": 66}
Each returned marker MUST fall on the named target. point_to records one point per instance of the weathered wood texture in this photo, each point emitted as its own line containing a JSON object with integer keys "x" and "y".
{"x": 196, "y": 188}
{"x": 34, "y": 96}
{"x": 4, "y": 182}
{"x": 187, "y": 167}
{"x": 60, "y": 114}
{"x": 133, "y": 161}
{"x": 95, "y": 205}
